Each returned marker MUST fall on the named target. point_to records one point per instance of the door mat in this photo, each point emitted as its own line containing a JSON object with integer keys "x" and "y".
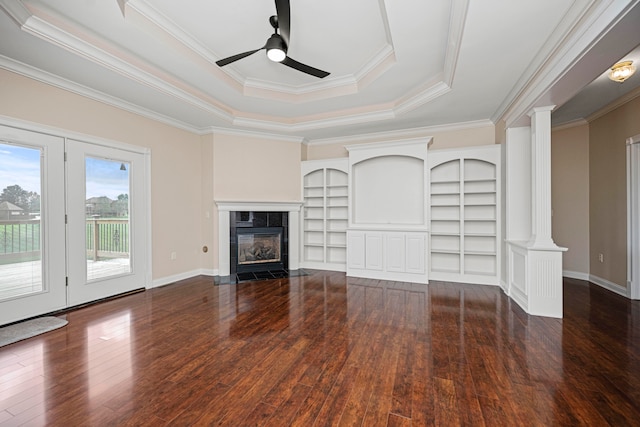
{"x": 29, "y": 328}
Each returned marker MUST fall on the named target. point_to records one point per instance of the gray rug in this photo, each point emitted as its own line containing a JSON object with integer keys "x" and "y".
{"x": 29, "y": 328}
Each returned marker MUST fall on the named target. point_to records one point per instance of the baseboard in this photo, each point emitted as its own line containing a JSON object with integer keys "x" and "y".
{"x": 575, "y": 275}
{"x": 504, "y": 287}
{"x": 613, "y": 287}
{"x": 182, "y": 276}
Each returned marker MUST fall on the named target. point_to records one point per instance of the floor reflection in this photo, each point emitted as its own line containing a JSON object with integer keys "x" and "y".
{"x": 327, "y": 349}
{"x": 109, "y": 356}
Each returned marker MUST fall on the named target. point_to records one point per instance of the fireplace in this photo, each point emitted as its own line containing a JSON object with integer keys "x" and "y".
{"x": 258, "y": 243}
{"x": 259, "y": 249}
{"x": 233, "y": 215}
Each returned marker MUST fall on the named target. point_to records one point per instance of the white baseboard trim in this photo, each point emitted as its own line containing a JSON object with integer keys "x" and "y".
{"x": 575, "y": 275}
{"x": 613, "y": 287}
{"x": 504, "y": 287}
{"x": 181, "y": 276}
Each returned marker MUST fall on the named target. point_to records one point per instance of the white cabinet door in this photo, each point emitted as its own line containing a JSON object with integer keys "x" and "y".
{"x": 415, "y": 253}
{"x": 355, "y": 250}
{"x": 395, "y": 252}
{"x": 373, "y": 251}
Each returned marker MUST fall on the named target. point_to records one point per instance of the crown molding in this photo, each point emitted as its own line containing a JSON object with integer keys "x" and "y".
{"x": 45, "y": 30}
{"x": 569, "y": 125}
{"x": 264, "y": 89}
{"x": 315, "y": 124}
{"x": 17, "y": 11}
{"x": 454, "y": 41}
{"x": 583, "y": 28}
{"x": 64, "y": 84}
{"x": 628, "y": 97}
{"x": 420, "y": 132}
{"x": 325, "y": 89}
{"x": 254, "y": 134}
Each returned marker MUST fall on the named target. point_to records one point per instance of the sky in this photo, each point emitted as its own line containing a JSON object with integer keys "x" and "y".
{"x": 21, "y": 166}
{"x": 104, "y": 178}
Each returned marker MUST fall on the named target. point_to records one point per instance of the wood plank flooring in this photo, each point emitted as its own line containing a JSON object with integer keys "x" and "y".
{"x": 324, "y": 350}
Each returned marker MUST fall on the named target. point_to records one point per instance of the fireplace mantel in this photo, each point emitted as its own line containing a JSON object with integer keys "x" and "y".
{"x": 224, "y": 207}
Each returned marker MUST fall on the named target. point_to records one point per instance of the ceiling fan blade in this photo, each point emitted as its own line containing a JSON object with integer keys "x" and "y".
{"x": 234, "y": 58}
{"x": 304, "y": 68}
{"x": 284, "y": 19}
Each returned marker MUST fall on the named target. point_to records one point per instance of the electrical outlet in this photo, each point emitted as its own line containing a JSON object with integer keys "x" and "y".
{"x": 174, "y": 255}
{"x": 600, "y": 257}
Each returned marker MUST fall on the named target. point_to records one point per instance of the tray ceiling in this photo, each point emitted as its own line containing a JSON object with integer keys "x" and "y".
{"x": 393, "y": 66}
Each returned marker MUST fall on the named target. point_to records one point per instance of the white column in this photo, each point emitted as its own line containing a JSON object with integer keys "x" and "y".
{"x": 534, "y": 270}
{"x": 541, "y": 178}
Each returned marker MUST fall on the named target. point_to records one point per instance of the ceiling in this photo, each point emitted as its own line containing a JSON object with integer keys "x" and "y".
{"x": 393, "y": 66}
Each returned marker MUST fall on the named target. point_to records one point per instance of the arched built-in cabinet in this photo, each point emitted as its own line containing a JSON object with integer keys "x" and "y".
{"x": 397, "y": 211}
{"x": 387, "y": 232}
{"x": 324, "y": 214}
{"x": 465, "y": 215}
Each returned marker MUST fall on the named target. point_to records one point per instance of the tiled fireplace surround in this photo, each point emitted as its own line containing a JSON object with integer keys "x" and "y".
{"x": 224, "y": 229}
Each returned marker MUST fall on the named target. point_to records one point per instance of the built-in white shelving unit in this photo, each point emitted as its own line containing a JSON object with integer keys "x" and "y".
{"x": 325, "y": 214}
{"x": 464, "y": 215}
{"x": 387, "y": 233}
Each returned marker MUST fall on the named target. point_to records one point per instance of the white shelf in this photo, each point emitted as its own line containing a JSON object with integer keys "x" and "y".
{"x": 325, "y": 213}
{"x": 464, "y": 210}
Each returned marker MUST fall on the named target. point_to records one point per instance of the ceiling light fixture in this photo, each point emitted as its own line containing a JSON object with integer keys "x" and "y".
{"x": 622, "y": 71}
{"x": 276, "y": 48}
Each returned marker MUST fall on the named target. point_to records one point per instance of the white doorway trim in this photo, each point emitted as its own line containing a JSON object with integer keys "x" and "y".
{"x": 633, "y": 217}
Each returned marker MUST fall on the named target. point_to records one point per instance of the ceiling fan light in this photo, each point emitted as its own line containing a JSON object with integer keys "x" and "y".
{"x": 276, "y": 55}
{"x": 276, "y": 48}
{"x": 622, "y": 71}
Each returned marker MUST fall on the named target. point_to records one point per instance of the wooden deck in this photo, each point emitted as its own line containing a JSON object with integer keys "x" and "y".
{"x": 324, "y": 349}
{"x": 26, "y": 277}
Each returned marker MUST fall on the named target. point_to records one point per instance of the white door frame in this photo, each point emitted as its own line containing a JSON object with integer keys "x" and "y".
{"x": 63, "y": 134}
{"x": 633, "y": 217}
{"x": 80, "y": 289}
{"x": 53, "y": 295}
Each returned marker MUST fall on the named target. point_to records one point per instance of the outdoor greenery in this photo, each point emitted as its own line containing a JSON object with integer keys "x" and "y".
{"x": 21, "y": 237}
{"x": 20, "y": 233}
{"x": 29, "y": 201}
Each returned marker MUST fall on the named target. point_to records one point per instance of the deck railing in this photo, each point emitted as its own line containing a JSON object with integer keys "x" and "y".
{"x": 19, "y": 239}
{"x": 106, "y": 238}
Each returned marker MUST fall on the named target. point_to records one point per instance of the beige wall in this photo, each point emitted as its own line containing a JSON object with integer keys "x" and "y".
{"x": 251, "y": 169}
{"x": 208, "y": 236}
{"x": 570, "y": 195}
{"x": 483, "y": 135}
{"x": 607, "y": 196}
{"x": 176, "y": 168}
{"x": 255, "y": 169}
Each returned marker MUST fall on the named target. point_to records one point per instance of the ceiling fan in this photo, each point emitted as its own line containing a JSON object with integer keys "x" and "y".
{"x": 278, "y": 44}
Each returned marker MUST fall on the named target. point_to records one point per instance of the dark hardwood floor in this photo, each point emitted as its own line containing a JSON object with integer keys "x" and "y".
{"x": 326, "y": 350}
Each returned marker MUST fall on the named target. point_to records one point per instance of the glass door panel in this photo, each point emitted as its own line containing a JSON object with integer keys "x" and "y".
{"x": 32, "y": 240}
{"x": 20, "y": 251}
{"x": 107, "y": 218}
{"x": 107, "y": 221}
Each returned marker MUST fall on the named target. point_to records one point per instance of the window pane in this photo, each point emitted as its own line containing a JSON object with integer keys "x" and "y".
{"x": 107, "y": 218}
{"x": 20, "y": 233}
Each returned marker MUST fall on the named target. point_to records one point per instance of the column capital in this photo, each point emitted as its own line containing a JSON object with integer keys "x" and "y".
{"x": 544, "y": 109}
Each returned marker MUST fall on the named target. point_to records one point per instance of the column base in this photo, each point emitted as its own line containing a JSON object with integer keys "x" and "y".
{"x": 534, "y": 278}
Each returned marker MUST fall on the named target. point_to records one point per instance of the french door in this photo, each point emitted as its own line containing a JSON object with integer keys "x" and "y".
{"x": 106, "y": 221}
{"x": 73, "y": 222}
{"x": 32, "y": 232}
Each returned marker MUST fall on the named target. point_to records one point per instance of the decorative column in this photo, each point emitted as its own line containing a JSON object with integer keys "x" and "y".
{"x": 534, "y": 265}
{"x": 541, "y": 178}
